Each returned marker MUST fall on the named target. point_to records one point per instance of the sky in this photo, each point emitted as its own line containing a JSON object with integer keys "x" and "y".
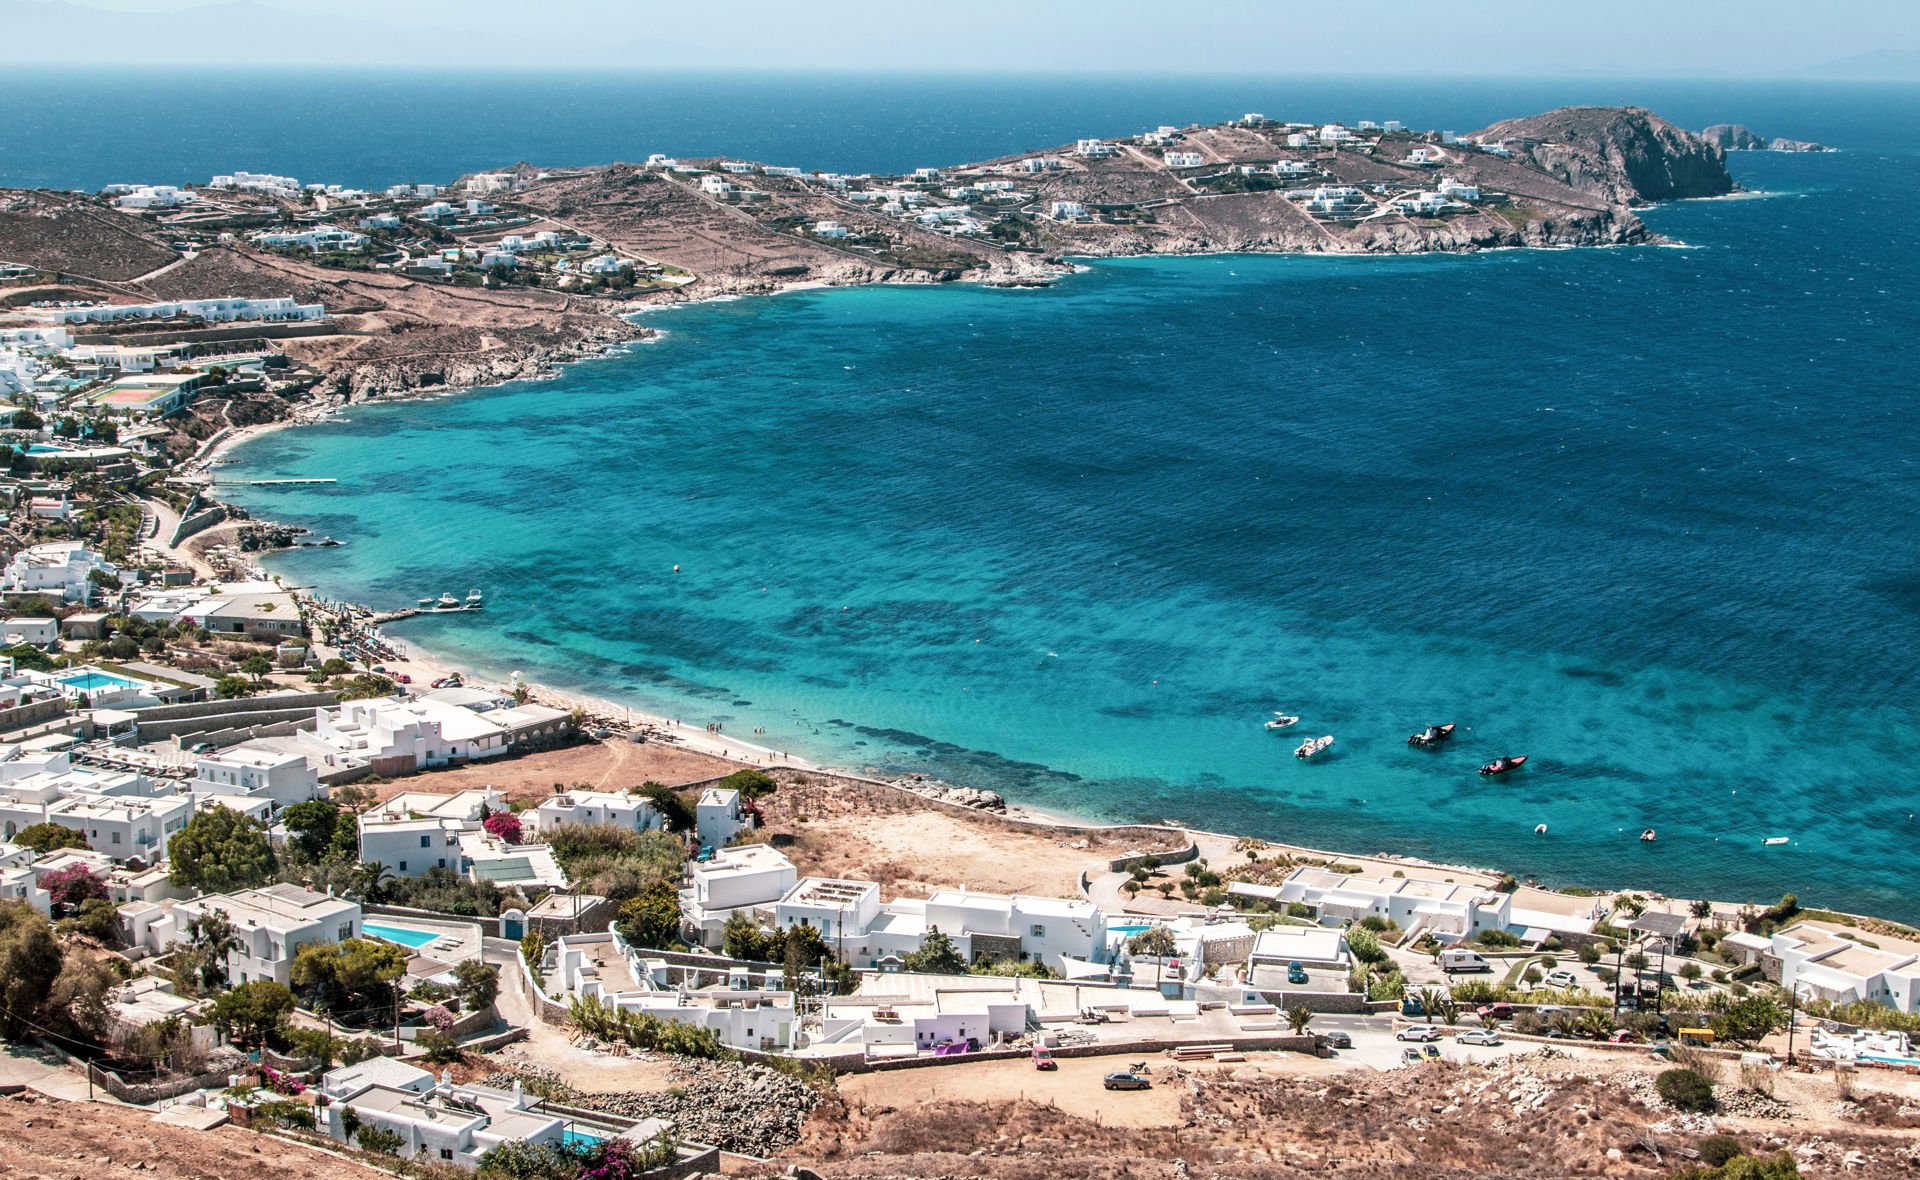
{"x": 1694, "y": 38}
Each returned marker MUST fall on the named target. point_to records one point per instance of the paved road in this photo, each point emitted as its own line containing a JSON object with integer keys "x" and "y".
{"x": 46, "y": 1074}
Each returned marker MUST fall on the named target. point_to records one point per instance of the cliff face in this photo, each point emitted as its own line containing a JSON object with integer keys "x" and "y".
{"x": 1624, "y": 155}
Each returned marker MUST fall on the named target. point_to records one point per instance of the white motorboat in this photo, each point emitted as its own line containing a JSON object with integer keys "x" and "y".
{"x": 474, "y": 600}
{"x": 1313, "y": 746}
{"x": 447, "y": 602}
{"x": 1283, "y": 721}
{"x": 1772, "y": 840}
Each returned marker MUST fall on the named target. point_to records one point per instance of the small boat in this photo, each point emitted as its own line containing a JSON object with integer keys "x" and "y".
{"x": 1503, "y": 765}
{"x": 447, "y": 602}
{"x": 1539, "y": 829}
{"x": 426, "y": 602}
{"x": 1313, "y": 746}
{"x": 1649, "y": 836}
{"x": 1772, "y": 840}
{"x": 1432, "y": 736}
{"x": 1283, "y": 721}
{"x": 474, "y": 600}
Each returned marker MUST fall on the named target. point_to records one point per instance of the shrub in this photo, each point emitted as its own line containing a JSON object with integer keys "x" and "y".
{"x": 1685, "y": 1089}
{"x": 378, "y": 1140}
{"x": 1589, "y": 954}
{"x": 1718, "y": 1149}
{"x": 504, "y": 825}
{"x": 1497, "y": 938}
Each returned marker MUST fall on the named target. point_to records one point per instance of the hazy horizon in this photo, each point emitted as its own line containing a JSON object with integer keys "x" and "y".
{"x": 1706, "y": 39}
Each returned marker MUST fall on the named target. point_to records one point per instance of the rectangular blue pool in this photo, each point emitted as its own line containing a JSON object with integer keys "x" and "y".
{"x": 404, "y": 935}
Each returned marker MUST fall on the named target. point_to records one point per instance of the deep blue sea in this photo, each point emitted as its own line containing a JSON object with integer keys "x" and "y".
{"x": 1646, "y": 515}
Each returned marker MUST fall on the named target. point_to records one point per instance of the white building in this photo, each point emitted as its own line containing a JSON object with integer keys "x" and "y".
{"x": 154, "y": 196}
{"x": 1185, "y": 159}
{"x": 1299, "y": 139}
{"x": 399, "y": 737}
{"x": 1425, "y": 157}
{"x": 1828, "y": 961}
{"x": 1422, "y": 204}
{"x": 1041, "y": 164}
{"x": 1449, "y": 910}
{"x": 272, "y": 925}
{"x": 829, "y": 229}
{"x": 258, "y": 182}
{"x": 319, "y": 238}
{"x": 1043, "y": 929}
{"x": 410, "y": 846}
{"x": 718, "y": 817}
{"x": 256, "y": 772}
{"x": 746, "y": 878}
{"x": 381, "y": 221}
{"x": 1068, "y": 211}
{"x": 443, "y": 1123}
{"x": 1094, "y": 148}
{"x": 1458, "y": 190}
{"x": 1292, "y": 168}
{"x": 124, "y": 827}
{"x": 605, "y": 264}
{"x": 58, "y": 569}
{"x": 629, "y": 813}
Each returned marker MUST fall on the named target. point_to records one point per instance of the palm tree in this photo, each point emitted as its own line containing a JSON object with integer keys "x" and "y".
{"x": 1299, "y": 1016}
{"x": 373, "y": 880}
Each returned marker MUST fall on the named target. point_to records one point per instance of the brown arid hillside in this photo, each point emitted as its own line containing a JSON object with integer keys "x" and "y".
{"x": 64, "y": 233}
{"x": 45, "y": 1139}
{"x": 1535, "y": 1116}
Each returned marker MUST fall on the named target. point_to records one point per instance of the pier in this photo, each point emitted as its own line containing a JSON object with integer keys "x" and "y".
{"x": 277, "y": 483}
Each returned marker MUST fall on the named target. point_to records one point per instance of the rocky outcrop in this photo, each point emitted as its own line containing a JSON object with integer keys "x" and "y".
{"x": 1735, "y": 137}
{"x": 1623, "y": 155}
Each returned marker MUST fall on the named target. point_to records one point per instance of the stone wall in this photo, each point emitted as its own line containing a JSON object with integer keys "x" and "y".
{"x": 1346, "y": 1003}
{"x": 32, "y": 713}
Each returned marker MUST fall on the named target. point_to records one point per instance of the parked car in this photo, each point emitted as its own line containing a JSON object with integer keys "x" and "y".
{"x": 1411, "y": 1055}
{"x": 704, "y": 855}
{"x": 1623, "y": 1036}
{"x": 1430, "y": 1052}
{"x": 1562, "y": 979}
{"x": 1418, "y": 1032}
{"x": 1126, "y": 1081}
{"x": 1500, "y": 1011}
{"x": 1296, "y": 973}
{"x": 1479, "y": 1036}
{"x": 1337, "y": 1040}
{"x": 1043, "y": 1060}
{"x": 601, "y": 735}
{"x": 402, "y": 678}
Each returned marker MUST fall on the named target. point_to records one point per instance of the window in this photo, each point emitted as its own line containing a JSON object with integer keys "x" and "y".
{"x": 423, "y": 841}
{"x": 1039, "y": 932}
{"x": 116, "y": 837}
{"x": 446, "y": 1153}
{"x": 403, "y": 866}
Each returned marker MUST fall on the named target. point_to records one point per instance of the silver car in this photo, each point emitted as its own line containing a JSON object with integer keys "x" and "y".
{"x": 1418, "y": 1032}
{"x": 1479, "y": 1036}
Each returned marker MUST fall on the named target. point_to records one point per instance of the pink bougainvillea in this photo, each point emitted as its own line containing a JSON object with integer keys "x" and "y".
{"x": 505, "y": 825}
{"x": 438, "y": 1017}
{"x": 70, "y": 887}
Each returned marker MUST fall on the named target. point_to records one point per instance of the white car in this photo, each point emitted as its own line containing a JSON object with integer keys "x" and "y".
{"x": 1479, "y": 1036}
{"x": 1562, "y": 979}
{"x": 1418, "y": 1032}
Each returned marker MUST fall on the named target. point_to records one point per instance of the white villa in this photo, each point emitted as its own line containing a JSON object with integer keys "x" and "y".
{"x": 272, "y": 925}
{"x": 718, "y": 817}
{"x": 58, "y": 569}
{"x": 598, "y": 808}
{"x": 258, "y": 773}
{"x": 440, "y": 1123}
{"x": 1185, "y": 159}
{"x": 1832, "y": 962}
{"x": 745, "y": 878}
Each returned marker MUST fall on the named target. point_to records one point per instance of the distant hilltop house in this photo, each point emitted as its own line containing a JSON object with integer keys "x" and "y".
{"x": 1068, "y": 211}
{"x": 490, "y": 182}
{"x": 1041, "y": 164}
{"x": 829, "y": 229}
{"x": 319, "y": 239}
{"x": 154, "y": 196}
{"x": 229, "y": 310}
{"x": 1425, "y": 157}
{"x": 424, "y": 192}
{"x": 1292, "y": 168}
{"x": 257, "y": 182}
{"x": 1185, "y": 159}
{"x": 1094, "y": 148}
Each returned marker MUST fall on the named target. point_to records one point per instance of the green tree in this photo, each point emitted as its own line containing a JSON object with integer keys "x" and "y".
{"x": 312, "y": 825}
{"x": 1685, "y": 1089}
{"x": 478, "y": 983}
{"x": 220, "y": 850}
{"x": 28, "y": 658}
{"x": 1365, "y": 945}
{"x": 752, "y": 784}
{"x": 317, "y": 1043}
{"x": 256, "y": 666}
{"x": 210, "y": 939}
{"x": 30, "y": 962}
{"x": 676, "y": 814}
{"x": 44, "y": 838}
{"x": 1156, "y": 941}
{"x": 27, "y": 420}
{"x": 98, "y": 918}
{"x": 651, "y": 918}
{"x": 517, "y": 1159}
{"x": 937, "y": 956}
{"x": 381, "y": 1141}
{"x": 353, "y": 979}
{"x": 1749, "y": 1021}
{"x": 253, "y": 1013}
{"x": 743, "y": 938}
{"x": 1298, "y": 1018}
{"x": 232, "y": 688}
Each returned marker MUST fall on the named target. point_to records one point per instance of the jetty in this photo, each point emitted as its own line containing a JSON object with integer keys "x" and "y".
{"x": 275, "y": 483}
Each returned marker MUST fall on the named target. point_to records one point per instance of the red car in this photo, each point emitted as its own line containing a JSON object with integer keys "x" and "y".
{"x": 1043, "y": 1060}
{"x": 1496, "y": 1011}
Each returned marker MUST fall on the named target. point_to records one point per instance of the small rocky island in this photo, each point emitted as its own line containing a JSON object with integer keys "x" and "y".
{"x": 1735, "y": 137}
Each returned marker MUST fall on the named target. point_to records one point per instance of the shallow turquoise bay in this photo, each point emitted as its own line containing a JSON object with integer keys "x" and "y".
{"x": 1646, "y": 515}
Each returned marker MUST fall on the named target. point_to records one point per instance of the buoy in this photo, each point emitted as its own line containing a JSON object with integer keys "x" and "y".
{"x": 1539, "y": 829}
{"x": 676, "y": 569}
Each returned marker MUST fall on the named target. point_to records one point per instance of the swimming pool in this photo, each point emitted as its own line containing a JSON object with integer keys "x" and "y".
{"x": 573, "y": 1138}
{"x": 92, "y": 680}
{"x": 404, "y": 935}
{"x": 1130, "y": 931}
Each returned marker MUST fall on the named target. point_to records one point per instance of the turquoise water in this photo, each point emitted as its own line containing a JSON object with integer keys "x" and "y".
{"x": 573, "y": 1138}
{"x": 402, "y": 935}
{"x": 1648, "y": 516}
{"x": 90, "y": 681}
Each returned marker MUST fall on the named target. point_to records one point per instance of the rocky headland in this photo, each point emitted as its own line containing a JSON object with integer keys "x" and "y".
{"x": 1570, "y": 177}
{"x": 1735, "y": 137}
